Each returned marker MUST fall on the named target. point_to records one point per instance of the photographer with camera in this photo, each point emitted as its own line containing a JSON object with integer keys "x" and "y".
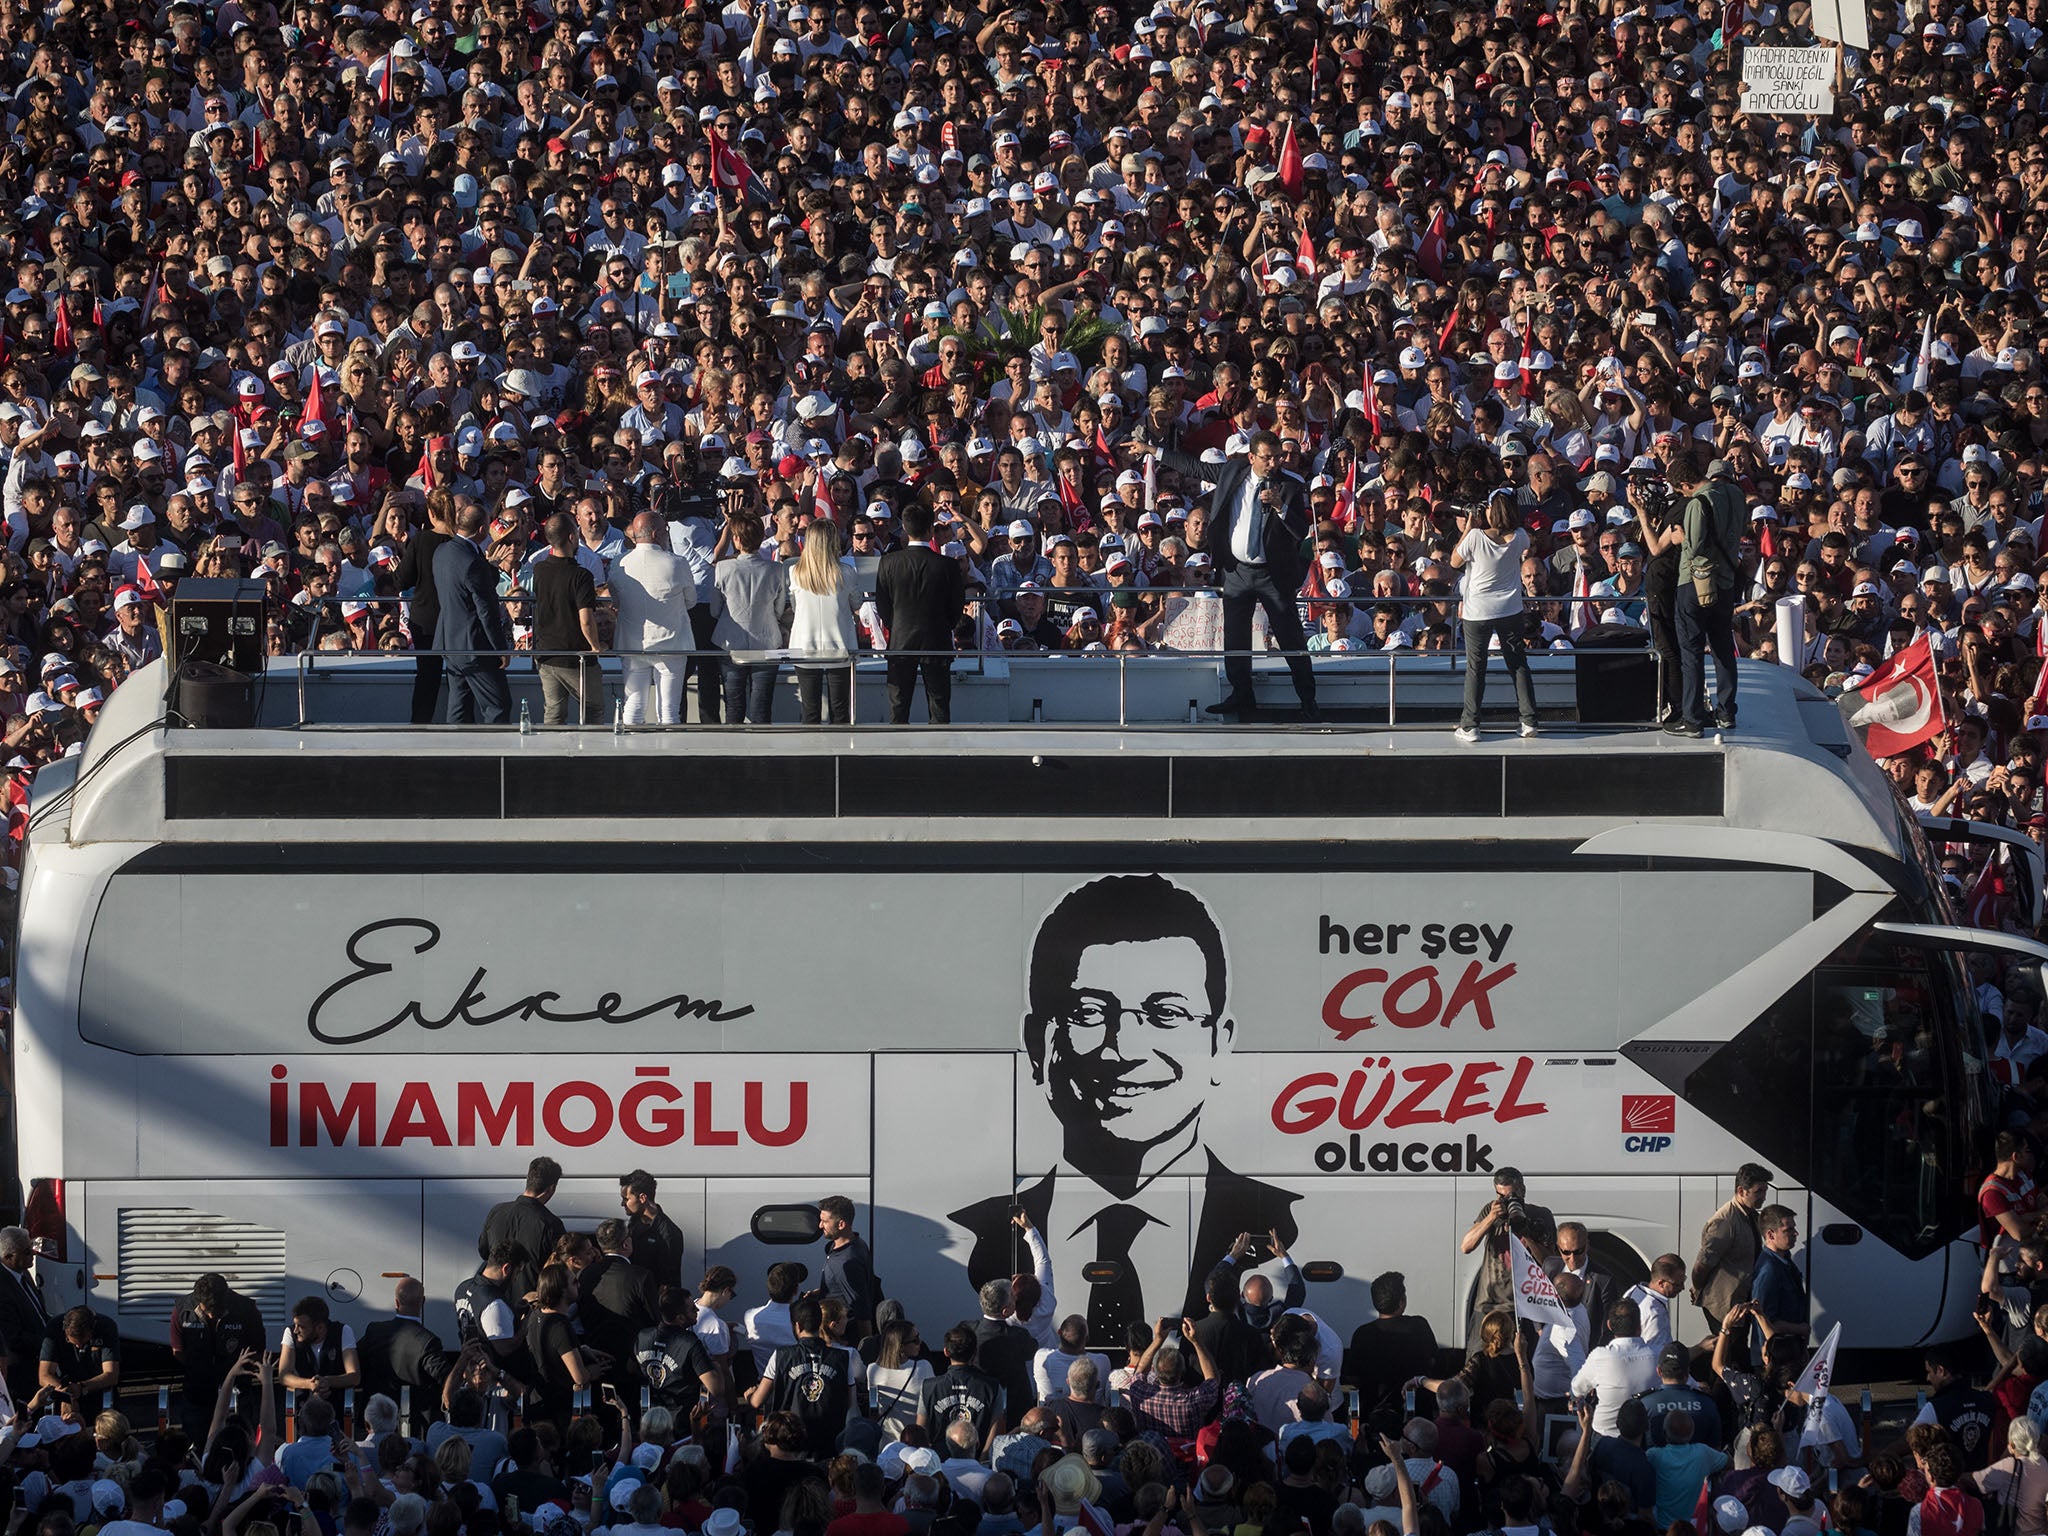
{"x": 1508, "y": 1211}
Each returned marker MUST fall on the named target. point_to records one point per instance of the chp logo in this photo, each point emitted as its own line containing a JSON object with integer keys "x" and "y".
{"x": 1648, "y": 1121}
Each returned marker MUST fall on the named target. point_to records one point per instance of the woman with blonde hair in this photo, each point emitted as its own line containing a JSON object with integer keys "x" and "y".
{"x": 2014, "y": 1488}
{"x": 822, "y": 633}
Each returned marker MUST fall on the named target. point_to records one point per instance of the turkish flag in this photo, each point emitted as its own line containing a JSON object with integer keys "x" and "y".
{"x": 1293, "y": 179}
{"x": 1305, "y": 255}
{"x": 60, "y": 329}
{"x": 1899, "y": 705}
{"x": 1436, "y": 244}
{"x": 729, "y": 169}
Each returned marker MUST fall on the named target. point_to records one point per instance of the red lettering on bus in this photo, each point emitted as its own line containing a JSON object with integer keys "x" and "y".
{"x": 1424, "y": 1078}
{"x": 1335, "y": 1018}
{"x": 793, "y": 1124}
{"x": 1413, "y": 999}
{"x": 1309, "y": 1102}
{"x": 1469, "y": 1097}
{"x": 416, "y": 1117}
{"x": 512, "y": 1113}
{"x": 559, "y": 1130}
{"x": 1399, "y": 1014}
{"x": 708, "y": 1133}
{"x": 1472, "y": 991}
{"x": 659, "y": 1127}
{"x": 1510, "y": 1106}
{"x": 1293, "y": 1114}
{"x": 356, "y": 1113}
{"x": 1349, "y": 1115}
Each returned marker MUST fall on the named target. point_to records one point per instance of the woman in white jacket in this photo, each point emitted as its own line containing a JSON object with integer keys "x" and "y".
{"x": 822, "y": 635}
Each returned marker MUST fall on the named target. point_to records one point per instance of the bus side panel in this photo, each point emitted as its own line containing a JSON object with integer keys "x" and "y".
{"x": 729, "y": 1207}
{"x": 276, "y": 1241}
{"x": 944, "y": 1139}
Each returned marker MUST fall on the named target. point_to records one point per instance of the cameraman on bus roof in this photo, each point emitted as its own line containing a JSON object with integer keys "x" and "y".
{"x": 1509, "y": 1211}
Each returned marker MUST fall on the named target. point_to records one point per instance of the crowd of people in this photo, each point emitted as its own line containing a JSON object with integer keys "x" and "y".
{"x": 591, "y": 1386}
{"x": 299, "y": 291}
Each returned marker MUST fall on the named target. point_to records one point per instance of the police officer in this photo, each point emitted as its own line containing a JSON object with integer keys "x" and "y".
{"x": 211, "y": 1328}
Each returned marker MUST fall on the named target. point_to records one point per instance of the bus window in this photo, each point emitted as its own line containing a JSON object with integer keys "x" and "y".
{"x": 1856, "y": 1084}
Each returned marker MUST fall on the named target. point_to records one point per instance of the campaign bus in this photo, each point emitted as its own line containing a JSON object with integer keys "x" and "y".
{"x": 300, "y": 1005}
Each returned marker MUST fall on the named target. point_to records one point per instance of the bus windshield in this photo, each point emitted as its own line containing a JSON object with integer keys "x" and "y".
{"x": 1865, "y": 1083}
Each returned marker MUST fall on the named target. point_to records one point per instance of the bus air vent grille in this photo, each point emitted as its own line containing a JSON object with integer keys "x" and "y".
{"x": 164, "y": 1250}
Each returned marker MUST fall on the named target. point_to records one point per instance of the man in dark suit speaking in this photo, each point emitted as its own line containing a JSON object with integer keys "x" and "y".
{"x": 1258, "y": 518}
{"x": 1128, "y": 1029}
{"x": 920, "y": 594}
{"x": 472, "y": 627}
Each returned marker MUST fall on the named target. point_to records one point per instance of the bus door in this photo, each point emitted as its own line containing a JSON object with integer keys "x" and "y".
{"x": 148, "y": 1240}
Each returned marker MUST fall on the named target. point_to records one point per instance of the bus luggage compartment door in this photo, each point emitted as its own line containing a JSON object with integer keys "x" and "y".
{"x": 147, "y": 1241}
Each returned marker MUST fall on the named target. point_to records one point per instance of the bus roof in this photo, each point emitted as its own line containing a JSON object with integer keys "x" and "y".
{"x": 1790, "y": 766}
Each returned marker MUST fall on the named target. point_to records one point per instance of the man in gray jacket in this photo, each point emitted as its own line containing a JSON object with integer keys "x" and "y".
{"x": 756, "y": 593}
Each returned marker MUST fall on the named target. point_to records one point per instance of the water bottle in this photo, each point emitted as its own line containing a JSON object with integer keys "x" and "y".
{"x": 618, "y": 717}
{"x": 525, "y": 719}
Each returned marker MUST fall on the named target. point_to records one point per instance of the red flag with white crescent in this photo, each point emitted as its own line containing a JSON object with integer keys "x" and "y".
{"x": 1305, "y": 255}
{"x": 1435, "y": 246}
{"x": 1371, "y": 392}
{"x": 60, "y": 330}
{"x": 729, "y": 168}
{"x": 1899, "y": 705}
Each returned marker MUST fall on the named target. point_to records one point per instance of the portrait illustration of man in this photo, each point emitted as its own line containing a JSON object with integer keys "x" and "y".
{"x": 1128, "y": 1031}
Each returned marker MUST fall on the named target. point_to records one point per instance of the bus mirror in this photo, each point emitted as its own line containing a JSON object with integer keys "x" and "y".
{"x": 785, "y": 1225}
{"x": 1322, "y": 1271}
{"x": 1102, "y": 1272}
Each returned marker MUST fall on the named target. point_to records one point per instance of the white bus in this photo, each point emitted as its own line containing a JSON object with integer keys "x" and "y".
{"x": 299, "y": 1005}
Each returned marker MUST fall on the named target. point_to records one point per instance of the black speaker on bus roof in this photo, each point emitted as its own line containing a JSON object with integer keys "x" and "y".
{"x": 1617, "y": 687}
{"x": 209, "y": 697}
{"x": 219, "y": 622}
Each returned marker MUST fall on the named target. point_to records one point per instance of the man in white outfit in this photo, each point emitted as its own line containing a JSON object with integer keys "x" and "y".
{"x": 653, "y": 591}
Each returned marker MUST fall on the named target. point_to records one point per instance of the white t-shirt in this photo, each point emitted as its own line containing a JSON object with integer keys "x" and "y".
{"x": 1492, "y": 583}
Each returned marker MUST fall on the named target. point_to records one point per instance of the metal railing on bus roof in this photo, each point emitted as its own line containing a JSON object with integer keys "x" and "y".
{"x": 1443, "y": 661}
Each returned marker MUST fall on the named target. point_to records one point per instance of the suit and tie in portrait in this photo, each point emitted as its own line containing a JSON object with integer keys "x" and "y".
{"x": 1258, "y": 519}
{"x": 1128, "y": 1032}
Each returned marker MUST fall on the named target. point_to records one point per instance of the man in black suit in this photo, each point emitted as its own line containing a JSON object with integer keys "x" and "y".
{"x": 402, "y": 1351}
{"x": 472, "y": 626}
{"x": 920, "y": 595}
{"x": 1004, "y": 1350}
{"x": 1258, "y": 518}
{"x": 615, "y": 1299}
{"x": 23, "y": 1320}
{"x": 526, "y": 1220}
{"x": 1128, "y": 1029}
{"x": 1575, "y": 1257}
{"x": 416, "y": 575}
